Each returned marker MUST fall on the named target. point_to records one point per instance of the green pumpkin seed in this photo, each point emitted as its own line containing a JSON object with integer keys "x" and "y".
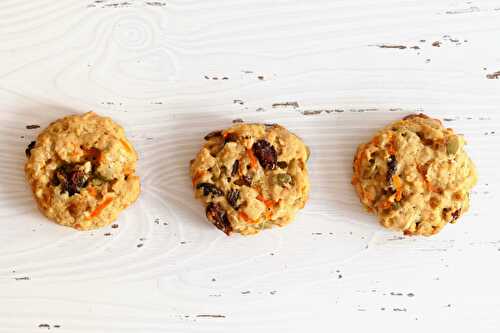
{"x": 283, "y": 179}
{"x": 453, "y": 145}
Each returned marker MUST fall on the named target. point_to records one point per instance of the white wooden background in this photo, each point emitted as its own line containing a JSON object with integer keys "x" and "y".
{"x": 171, "y": 71}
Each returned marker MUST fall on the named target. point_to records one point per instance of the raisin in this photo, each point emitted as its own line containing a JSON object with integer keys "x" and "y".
{"x": 71, "y": 178}
{"x": 455, "y": 215}
{"x": 218, "y": 216}
{"x": 282, "y": 165}
{"x": 230, "y": 137}
{"x": 232, "y": 197}
{"x": 244, "y": 180}
{"x": 213, "y": 134}
{"x": 266, "y": 154}
{"x": 392, "y": 165}
{"x": 30, "y": 146}
{"x": 236, "y": 166}
{"x": 209, "y": 188}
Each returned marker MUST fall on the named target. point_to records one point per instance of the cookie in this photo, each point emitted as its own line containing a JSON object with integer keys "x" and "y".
{"x": 82, "y": 171}
{"x": 251, "y": 177}
{"x": 415, "y": 175}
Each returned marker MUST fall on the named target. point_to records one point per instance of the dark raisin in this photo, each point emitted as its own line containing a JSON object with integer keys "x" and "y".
{"x": 392, "y": 165}
{"x": 230, "y": 137}
{"x": 218, "y": 216}
{"x": 456, "y": 214}
{"x": 213, "y": 134}
{"x": 236, "y": 166}
{"x": 71, "y": 178}
{"x": 232, "y": 197}
{"x": 244, "y": 180}
{"x": 282, "y": 165}
{"x": 266, "y": 154}
{"x": 30, "y": 146}
{"x": 209, "y": 188}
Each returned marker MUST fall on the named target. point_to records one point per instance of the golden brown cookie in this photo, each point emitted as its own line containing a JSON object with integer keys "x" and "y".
{"x": 251, "y": 177}
{"x": 415, "y": 175}
{"x": 82, "y": 171}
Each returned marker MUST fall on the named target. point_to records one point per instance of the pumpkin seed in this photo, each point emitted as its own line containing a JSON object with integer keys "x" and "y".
{"x": 453, "y": 145}
{"x": 284, "y": 179}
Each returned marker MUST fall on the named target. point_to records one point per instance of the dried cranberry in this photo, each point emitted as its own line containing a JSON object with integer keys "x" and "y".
{"x": 456, "y": 214}
{"x": 209, "y": 188}
{"x": 30, "y": 146}
{"x": 232, "y": 197}
{"x": 236, "y": 166}
{"x": 392, "y": 165}
{"x": 213, "y": 134}
{"x": 266, "y": 154}
{"x": 218, "y": 216}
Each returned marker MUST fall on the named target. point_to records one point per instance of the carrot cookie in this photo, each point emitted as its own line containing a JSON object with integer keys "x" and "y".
{"x": 250, "y": 177}
{"x": 82, "y": 171}
{"x": 415, "y": 175}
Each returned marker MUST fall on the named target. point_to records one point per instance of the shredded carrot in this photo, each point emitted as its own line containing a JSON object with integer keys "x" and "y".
{"x": 197, "y": 177}
{"x": 92, "y": 191}
{"x": 245, "y": 217}
{"x": 269, "y": 203}
{"x": 126, "y": 145}
{"x": 392, "y": 145}
{"x": 253, "y": 159}
{"x": 422, "y": 169}
{"x": 399, "y": 187}
{"x": 376, "y": 140}
{"x": 100, "y": 208}
{"x": 385, "y": 204}
{"x": 225, "y": 135}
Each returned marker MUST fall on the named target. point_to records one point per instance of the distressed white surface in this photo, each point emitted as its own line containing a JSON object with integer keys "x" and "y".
{"x": 153, "y": 67}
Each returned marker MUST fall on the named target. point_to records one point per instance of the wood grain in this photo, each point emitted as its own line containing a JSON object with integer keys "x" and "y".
{"x": 170, "y": 72}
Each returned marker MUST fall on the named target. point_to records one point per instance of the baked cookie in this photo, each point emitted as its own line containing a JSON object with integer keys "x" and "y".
{"x": 251, "y": 177}
{"x": 415, "y": 175}
{"x": 82, "y": 171}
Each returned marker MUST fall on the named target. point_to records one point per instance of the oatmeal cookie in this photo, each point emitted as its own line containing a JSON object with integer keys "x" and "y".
{"x": 82, "y": 171}
{"x": 251, "y": 177}
{"x": 415, "y": 175}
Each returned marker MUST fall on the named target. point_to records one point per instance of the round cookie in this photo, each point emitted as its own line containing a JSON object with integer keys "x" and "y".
{"x": 415, "y": 175}
{"x": 82, "y": 171}
{"x": 251, "y": 177}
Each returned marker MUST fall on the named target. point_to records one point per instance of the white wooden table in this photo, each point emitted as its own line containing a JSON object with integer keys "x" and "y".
{"x": 171, "y": 71}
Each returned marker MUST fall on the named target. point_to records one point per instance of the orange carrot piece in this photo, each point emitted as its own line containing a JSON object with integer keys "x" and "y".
{"x": 92, "y": 191}
{"x": 197, "y": 177}
{"x": 399, "y": 187}
{"x": 385, "y": 204}
{"x": 245, "y": 217}
{"x": 253, "y": 159}
{"x": 100, "y": 208}
{"x": 269, "y": 203}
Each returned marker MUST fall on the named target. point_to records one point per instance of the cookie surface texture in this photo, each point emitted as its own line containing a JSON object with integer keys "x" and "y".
{"x": 82, "y": 171}
{"x": 251, "y": 177}
{"x": 414, "y": 175}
